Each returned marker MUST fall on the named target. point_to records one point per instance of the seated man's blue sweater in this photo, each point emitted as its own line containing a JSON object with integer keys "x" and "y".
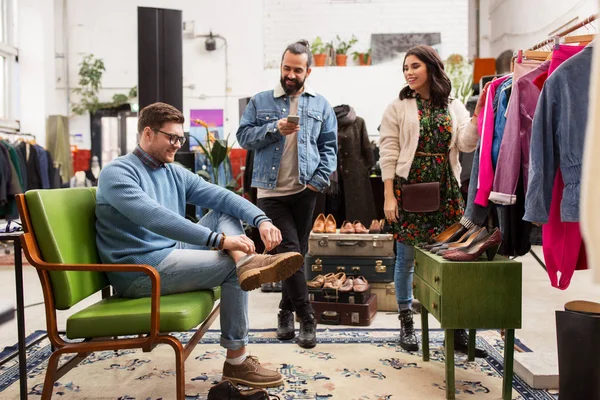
{"x": 140, "y": 213}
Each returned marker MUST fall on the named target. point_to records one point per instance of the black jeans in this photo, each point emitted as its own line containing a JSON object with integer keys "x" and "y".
{"x": 293, "y": 216}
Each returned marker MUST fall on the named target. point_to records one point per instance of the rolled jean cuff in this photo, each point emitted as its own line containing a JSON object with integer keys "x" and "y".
{"x": 404, "y": 306}
{"x": 234, "y": 344}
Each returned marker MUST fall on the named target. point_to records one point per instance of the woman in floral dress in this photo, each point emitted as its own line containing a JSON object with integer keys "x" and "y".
{"x": 421, "y": 135}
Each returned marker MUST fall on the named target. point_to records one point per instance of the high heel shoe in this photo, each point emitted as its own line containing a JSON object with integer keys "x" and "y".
{"x": 474, "y": 234}
{"x": 319, "y": 224}
{"x": 438, "y": 247}
{"x": 451, "y": 234}
{"x": 489, "y": 243}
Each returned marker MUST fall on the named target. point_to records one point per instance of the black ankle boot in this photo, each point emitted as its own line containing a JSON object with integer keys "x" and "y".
{"x": 461, "y": 343}
{"x": 408, "y": 339}
{"x": 285, "y": 325}
{"x": 307, "y": 337}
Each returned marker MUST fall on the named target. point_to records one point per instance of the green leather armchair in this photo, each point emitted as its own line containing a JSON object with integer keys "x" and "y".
{"x": 59, "y": 240}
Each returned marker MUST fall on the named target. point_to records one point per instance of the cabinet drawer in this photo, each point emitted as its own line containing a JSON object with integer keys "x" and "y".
{"x": 428, "y": 296}
{"x": 429, "y": 270}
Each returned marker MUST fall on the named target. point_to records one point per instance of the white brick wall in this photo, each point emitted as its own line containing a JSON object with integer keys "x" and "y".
{"x": 518, "y": 24}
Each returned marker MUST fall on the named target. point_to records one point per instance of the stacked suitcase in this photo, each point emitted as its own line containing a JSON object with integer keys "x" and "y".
{"x": 368, "y": 255}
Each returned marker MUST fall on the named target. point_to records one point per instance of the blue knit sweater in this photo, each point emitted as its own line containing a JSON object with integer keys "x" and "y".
{"x": 140, "y": 213}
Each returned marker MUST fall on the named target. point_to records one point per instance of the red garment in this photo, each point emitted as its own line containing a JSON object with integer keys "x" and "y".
{"x": 562, "y": 242}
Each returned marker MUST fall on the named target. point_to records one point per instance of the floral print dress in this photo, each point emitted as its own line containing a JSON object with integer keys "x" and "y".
{"x": 435, "y": 136}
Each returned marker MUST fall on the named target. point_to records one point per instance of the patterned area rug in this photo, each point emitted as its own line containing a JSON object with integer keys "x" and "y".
{"x": 348, "y": 364}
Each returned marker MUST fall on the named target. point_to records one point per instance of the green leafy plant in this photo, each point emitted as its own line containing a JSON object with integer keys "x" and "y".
{"x": 318, "y": 46}
{"x": 217, "y": 152}
{"x": 364, "y": 57}
{"x": 91, "y": 70}
{"x": 342, "y": 47}
{"x": 460, "y": 72}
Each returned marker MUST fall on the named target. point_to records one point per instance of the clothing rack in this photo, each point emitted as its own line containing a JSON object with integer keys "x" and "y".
{"x": 581, "y": 24}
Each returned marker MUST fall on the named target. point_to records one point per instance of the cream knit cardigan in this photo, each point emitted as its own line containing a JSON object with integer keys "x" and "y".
{"x": 399, "y": 137}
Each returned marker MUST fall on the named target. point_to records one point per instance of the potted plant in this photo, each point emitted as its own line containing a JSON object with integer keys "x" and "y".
{"x": 341, "y": 50}
{"x": 362, "y": 58}
{"x": 319, "y": 50}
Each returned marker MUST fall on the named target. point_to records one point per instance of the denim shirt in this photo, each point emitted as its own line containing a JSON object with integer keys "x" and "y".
{"x": 502, "y": 96}
{"x": 317, "y": 138}
{"x": 557, "y": 139}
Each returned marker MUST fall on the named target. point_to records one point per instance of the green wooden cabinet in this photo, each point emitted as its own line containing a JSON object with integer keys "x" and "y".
{"x": 470, "y": 295}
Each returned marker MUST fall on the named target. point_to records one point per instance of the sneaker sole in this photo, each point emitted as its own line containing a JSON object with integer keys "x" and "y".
{"x": 236, "y": 381}
{"x": 278, "y": 271}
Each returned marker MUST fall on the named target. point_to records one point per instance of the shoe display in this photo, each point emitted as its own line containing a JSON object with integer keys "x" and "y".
{"x": 347, "y": 286}
{"x": 225, "y": 390}
{"x": 335, "y": 282}
{"x": 375, "y": 226}
{"x": 307, "y": 337}
{"x": 330, "y": 224}
{"x": 469, "y": 237}
{"x": 319, "y": 280}
{"x": 319, "y": 224}
{"x": 439, "y": 247}
{"x": 408, "y": 338}
{"x": 347, "y": 227}
{"x": 488, "y": 244}
{"x": 451, "y": 234}
{"x": 251, "y": 373}
{"x": 359, "y": 227}
{"x": 360, "y": 284}
{"x": 263, "y": 268}
{"x": 461, "y": 343}
{"x": 285, "y": 325}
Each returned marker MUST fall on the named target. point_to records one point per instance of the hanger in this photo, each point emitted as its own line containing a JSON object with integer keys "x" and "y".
{"x": 536, "y": 55}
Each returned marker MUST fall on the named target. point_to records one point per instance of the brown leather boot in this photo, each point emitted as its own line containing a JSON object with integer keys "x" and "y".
{"x": 263, "y": 268}
{"x": 251, "y": 373}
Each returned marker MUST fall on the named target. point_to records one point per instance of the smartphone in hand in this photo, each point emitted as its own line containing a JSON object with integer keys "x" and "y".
{"x": 293, "y": 119}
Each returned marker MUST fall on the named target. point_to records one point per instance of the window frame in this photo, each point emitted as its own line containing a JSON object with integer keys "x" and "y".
{"x": 10, "y": 52}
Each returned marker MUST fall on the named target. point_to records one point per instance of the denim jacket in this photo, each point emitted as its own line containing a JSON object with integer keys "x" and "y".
{"x": 317, "y": 138}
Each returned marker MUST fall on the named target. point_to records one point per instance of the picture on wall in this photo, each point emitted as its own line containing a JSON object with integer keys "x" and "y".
{"x": 214, "y": 120}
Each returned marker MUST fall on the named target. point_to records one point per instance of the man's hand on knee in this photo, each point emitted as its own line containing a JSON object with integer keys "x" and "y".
{"x": 270, "y": 235}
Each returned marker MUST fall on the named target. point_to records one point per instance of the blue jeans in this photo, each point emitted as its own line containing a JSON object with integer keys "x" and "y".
{"x": 190, "y": 268}
{"x": 403, "y": 275}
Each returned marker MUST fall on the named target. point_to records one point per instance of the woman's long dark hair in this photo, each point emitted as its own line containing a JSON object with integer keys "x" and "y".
{"x": 440, "y": 85}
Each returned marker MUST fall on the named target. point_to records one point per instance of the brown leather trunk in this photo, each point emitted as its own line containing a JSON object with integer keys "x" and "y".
{"x": 344, "y": 313}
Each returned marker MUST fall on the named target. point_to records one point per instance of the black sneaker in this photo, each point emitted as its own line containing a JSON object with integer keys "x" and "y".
{"x": 307, "y": 338}
{"x": 277, "y": 286}
{"x": 461, "y": 343}
{"x": 285, "y": 325}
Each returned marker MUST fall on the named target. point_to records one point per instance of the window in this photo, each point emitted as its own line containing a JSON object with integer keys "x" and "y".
{"x": 8, "y": 66}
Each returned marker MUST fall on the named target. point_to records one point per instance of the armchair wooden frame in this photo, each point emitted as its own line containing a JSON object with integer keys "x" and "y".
{"x": 82, "y": 349}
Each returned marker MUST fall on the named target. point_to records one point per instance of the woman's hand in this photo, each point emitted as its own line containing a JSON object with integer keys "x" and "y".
{"x": 390, "y": 209}
{"x": 481, "y": 100}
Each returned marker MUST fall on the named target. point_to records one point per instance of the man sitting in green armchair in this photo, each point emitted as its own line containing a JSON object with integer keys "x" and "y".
{"x": 140, "y": 214}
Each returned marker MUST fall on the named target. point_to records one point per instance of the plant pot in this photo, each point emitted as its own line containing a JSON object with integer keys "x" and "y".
{"x": 320, "y": 59}
{"x": 361, "y": 60}
{"x": 341, "y": 59}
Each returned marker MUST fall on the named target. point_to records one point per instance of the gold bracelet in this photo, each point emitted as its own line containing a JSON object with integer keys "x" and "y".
{"x": 222, "y": 242}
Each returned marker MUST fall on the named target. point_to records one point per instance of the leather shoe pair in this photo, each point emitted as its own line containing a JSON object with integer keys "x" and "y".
{"x": 461, "y": 343}
{"x": 226, "y": 390}
{"x": 358, "y": 285}
{"x": 324, "y": 224}
{"x": 377, "y": 226}
{"x": 353, "y": 227}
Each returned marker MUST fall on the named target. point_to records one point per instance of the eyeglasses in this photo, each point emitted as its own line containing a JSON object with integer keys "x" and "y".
{"x": 173, "y": 138}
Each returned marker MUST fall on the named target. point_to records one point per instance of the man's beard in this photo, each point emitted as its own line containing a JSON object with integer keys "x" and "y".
{"x": 296, "y": 87}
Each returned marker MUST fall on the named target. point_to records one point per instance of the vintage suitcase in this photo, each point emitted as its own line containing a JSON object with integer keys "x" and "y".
{"x": 345, "y": 314}
{"x": 351, "y": 245}
{"x": 386, "y": 295}
{"x": 335, "y": 296}
{"x": 374, "y": 269}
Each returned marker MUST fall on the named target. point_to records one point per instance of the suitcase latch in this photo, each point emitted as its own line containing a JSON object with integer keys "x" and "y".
{"x": 376, "y": 242}
{"x": 356, "y": 270}
{"x": 355, "y": 318}
{"x": 389, "y": 290}
{"x": 317, "y": 267}
{"x": 340, "y": 268}
{"x": 324, "y": 242}
{"x": 380, "y": 267}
